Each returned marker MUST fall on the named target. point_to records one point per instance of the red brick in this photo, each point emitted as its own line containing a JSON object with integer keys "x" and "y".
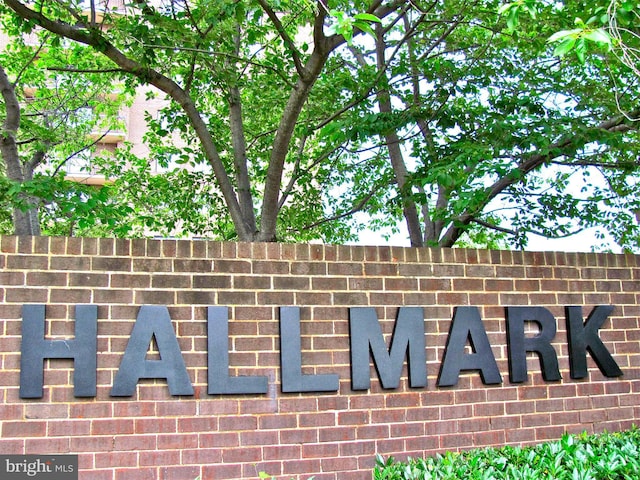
{"x": 258, "y": 438}
{"x": 92, "y": 444}
{"x": 252, "y": 470}
{"x": 243, "y": 454}
{"x": 298, "y": 436}
{"x": 109, "y": 426}
{"x": 490, "y": 438}
{"x": 372, "y": 431}
{"x": 457, "y": 411}
{"x": 90, "y": 410}
{"x": 155, "y": 425}
{"x": 38, "y": 411}
{"x": 68, "y": 428}
{"x": 238, "y": 423}
{"x": 456, "y": 441}
{"x": 319, "y": 450}
{"x": 317, "y": 420}
{"x": 116, "y": 459}
{"x": 353, "y": 418}
{"x": 284, "y": 452}
{"x": 135, "y": 409}
{"x": 178, "y": 472}
{"x": 337, "y": 434}
{"x": 36, "y": 446}
{"x": 301, "y": 467}
{"x": 407, "y": 430}
{"x": 196, "y": 424}
{"x": 388, "y": 416}
{"x": 342, "y": 430}
{"x": 136, "y": 474}
{"x": 134, "y": 442}
{"x": 159, "y": 458}
{"x": 216, "y": 439}
{"x": 341, "y": 464}
{"x": 536, "y": 420}
{"x": 221, "y": 472}
{"x": 178, "y": 442}
{"x": 24, "y": 429}
{"x": 556, "y": 405}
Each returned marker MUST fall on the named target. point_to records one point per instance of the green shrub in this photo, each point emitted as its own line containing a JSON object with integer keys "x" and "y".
{"x": 608, "y": 456}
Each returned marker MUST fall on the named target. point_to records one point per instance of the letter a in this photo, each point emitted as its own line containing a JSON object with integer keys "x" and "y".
{"x": 152, "y": 321}
{"x": 467, "y": 325}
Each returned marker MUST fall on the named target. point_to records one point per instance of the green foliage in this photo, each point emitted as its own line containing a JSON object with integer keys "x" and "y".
{"x": 609, "y": 456}
{"x": 345, "y": 24}
{"x": 513, "y": 10}
{"x": 498, "y": 139}
{"x": 66, "y": 104}
{"x": 599, "y": 33}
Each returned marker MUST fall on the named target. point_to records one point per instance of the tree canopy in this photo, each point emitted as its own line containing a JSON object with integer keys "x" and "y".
{"x": 50, "y": 118}
{"x": 293, "y": 120}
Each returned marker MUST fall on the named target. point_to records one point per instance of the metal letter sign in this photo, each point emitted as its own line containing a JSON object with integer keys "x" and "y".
{"x": 583, "y": 337}
{"x": 152, "y": 321}
{"x": 467, "y": 325}
{"x": 408, "y": 335}
{"x": 218, "y": 360}
{"x": 467, "y": 350}
{"x": 291, "y": 358}
{"x": 83, "y": 350}
{"x": 518, "y": 345}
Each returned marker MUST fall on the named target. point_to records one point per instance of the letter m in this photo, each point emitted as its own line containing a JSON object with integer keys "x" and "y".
{"x": 366, "y": 337}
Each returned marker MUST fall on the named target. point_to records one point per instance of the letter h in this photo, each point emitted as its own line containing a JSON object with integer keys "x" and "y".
{"x": 83, "y": 349}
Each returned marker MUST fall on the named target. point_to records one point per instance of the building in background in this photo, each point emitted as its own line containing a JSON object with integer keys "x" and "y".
{"x": 131, "y": 118}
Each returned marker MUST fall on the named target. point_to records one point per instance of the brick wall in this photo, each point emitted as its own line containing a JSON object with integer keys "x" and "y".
{"x": 331, "y": 435}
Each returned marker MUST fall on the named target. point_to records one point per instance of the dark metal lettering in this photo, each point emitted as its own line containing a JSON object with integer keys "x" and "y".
{"x": 467, "y": 326}
{"x": 218, "y": 359}
{"x": 408, "y": 336}
{"x": 584, "y": 337}
{"x": 152, "y": 322}
{"x": 467, "y": 350}
{"x": 35, "y": 349}
{"x": 291, "y": 358}
{"x": 518, "y": 344}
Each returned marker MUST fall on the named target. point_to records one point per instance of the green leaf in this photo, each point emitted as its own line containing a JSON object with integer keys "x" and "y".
{"x": 506, "y": 7}
{"x": 365, "y": 27}
{"x": 564, "y": 46}
{"x": 599, "y": 36}
{"x": 368, "y": 17}
{"x": 561, "y": 35}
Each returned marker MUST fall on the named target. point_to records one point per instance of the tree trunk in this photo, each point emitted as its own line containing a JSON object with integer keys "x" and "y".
{"x": 308, "y": 74}
{"x": 25, "y": 221}
{"x": 392, "y": 140}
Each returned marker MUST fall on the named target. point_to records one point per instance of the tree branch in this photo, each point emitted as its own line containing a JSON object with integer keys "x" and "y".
{"x": 532, "y": 162}
{"x": 85, "y": 70}
{"x": 355, "y": 209}
{"x": 77, "y": 152}
{"x": 295, "y": 54}
{"x": 495, "y": 227}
